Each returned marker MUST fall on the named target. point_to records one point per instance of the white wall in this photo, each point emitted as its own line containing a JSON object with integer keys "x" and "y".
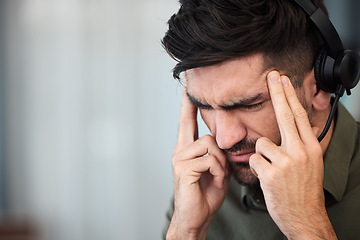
{"x": 91, "y": 116}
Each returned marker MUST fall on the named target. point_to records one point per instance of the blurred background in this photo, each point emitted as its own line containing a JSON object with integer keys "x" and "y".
{"x": 88, "y": 116}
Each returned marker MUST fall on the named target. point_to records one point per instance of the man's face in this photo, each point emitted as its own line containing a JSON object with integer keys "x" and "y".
{"x": 235, "y": 104}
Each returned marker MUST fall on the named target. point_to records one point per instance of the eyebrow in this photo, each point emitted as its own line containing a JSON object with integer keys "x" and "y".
{"x": 235, "y": 104}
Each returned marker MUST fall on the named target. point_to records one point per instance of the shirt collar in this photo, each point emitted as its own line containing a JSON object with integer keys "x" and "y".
{"x": 339, "y": 153}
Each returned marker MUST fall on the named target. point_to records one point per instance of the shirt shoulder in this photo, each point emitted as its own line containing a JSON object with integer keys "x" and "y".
{"x": 345, "y": 213}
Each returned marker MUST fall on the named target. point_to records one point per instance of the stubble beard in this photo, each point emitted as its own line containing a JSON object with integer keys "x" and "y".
{"x": 242, "y": 173}
{"x": 241, "y": 170}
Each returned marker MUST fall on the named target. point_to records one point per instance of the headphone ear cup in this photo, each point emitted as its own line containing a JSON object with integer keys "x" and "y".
{"x": 347, "y": 68}
{"x": 329, "y": 73}
{"x": 319, "y": 68}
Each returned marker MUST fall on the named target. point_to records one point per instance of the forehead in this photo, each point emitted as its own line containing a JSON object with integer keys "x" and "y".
{"x": 236, "y": 78}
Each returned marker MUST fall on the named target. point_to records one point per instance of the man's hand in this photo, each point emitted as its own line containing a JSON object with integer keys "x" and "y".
{"x": 201, "y": 178}
{"x": 291, "y": 175}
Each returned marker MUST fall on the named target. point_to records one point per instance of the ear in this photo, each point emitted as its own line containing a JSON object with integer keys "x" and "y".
{"x": 320, "y": 100}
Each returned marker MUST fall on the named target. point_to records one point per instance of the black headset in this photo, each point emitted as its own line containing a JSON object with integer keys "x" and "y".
{"x": 336, "y": 69}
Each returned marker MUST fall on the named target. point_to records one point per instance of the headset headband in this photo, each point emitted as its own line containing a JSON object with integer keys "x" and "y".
{"x": 325, "y": 27}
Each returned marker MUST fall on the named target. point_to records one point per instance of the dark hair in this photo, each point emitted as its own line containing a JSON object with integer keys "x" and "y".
{"x": 208, "y": 32}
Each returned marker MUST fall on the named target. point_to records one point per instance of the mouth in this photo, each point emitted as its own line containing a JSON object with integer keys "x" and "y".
{"x": 240, "y": 156}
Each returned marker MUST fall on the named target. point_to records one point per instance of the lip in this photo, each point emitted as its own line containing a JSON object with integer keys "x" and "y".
{"x": 240, "y": 157}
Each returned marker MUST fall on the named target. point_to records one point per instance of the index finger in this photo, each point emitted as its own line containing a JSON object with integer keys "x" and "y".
{"x": 301, "y": 116}
{"x": 283, "y": 113}
{"x": 188, "y": 128}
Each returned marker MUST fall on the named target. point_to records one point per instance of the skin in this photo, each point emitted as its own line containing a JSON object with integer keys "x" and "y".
{"x": 287, "y": 159}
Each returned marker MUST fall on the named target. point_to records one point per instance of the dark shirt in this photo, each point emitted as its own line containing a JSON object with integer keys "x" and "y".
{"x": 243, "y": 214}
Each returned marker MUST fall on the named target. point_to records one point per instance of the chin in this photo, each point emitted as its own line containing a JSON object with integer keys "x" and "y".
{"x": 242, "y": 173}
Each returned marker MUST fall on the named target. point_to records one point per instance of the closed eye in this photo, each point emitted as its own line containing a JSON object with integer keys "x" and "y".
{"x": 204, "y": 107}
{"x": 253, "y": 106}
{"x": 242, "y": 106}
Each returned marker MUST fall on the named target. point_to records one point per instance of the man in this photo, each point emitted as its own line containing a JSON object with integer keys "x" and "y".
{"x": 248, "y": 67}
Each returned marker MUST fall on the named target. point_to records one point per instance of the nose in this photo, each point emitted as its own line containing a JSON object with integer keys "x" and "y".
{"x": 229, "y": 129}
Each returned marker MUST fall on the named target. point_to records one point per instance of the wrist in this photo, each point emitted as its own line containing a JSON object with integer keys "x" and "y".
{"x": 319, "y": 227}
{"x": 179, "y": 235}
{"x": 178, "y": 232}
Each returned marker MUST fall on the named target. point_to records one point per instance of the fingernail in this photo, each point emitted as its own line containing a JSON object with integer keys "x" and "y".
{"x": 285, "y": 81}
{"x": 274, "y": 77}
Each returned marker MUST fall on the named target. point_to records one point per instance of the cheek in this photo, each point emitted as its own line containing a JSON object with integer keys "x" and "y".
{"x": 268, "y": 126}
{"x": 273, "y": 132}
{"x": 262, "y": 124}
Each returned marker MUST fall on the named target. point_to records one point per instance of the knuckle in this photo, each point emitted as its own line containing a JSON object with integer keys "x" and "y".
{"x": 302, "y": 156}
{"x": 300, "y": 113}
{"x": 211, "y": 159}
{"x": 277, "y": 91}
{"x": 177, "y": 169}
{"x": 207, "y": 139}
{"x": 174, "y": 154}
{"x": 178, "y": 156}
{"x": 270, "y": 177}
{"x": 174, "y": 161}
{"x": 287, "y": 117}
{"x": 287, "y": 164}
{"x": 221, "y": 174}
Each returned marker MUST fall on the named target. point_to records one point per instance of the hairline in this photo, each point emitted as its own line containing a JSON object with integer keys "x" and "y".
{"x": 267, "y": 66}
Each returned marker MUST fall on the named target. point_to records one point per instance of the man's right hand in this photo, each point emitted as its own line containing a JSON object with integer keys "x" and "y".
{"x": 201, "y": 178}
